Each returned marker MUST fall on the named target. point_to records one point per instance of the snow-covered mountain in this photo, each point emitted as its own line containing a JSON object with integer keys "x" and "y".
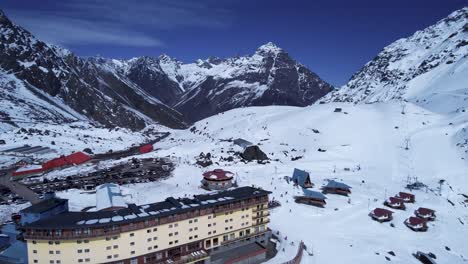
{"x": 425, "y": 67}
{"x": 69, "y": 88}
{"x": 206, "y": 87}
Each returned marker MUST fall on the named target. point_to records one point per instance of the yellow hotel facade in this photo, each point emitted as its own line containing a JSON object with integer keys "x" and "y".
{"x": 223, "y": 227}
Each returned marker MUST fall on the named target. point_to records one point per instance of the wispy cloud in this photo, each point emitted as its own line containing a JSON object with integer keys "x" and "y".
{"x": 117, "y": 22}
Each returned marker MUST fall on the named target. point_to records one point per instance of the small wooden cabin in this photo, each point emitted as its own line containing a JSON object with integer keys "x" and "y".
{"x": 395, "y": 203}
{"x": 425, "y": 213}
{"x": 381, "y": 215}
{"x": 416, "y": 224}
{"x": 407, "y": 197}
{"x": 336, "y": 188}
{"x": 311, "y": 198}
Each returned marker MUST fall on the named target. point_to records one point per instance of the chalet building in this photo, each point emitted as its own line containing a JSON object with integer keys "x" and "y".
{"x": 45, "y": 209}
{"x": 425, "y": 213}
{"x": 416, "y": 224}
{"x": 407, "y": 197}
{"x": 381, "y": 215}
{"x": 336, "y": 188}
{"x": 395, "y": 203}
{"x": 302, "y": 178}
{"x": 311, "y": 198}
{"x": 217, "y": 179}
{"x": 223, "y": 227}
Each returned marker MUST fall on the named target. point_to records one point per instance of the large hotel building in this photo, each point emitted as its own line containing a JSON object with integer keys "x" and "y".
{"x": 224, "y": 227}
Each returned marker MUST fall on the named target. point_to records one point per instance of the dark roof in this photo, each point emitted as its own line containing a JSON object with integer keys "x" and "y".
{"x": 300, "y": 176}
{"x": 44, "y": 205}
{"x": 405, "y": 195}
{"x": 314, "y": 194}
{"x": 134, "y": 213}
{"x": 337, "y": 185}
{"x": 425, "y": 211}
{"x": 381, "y": 212}
{"x": 395, "y": 200}
{"x": 415, "y": 221}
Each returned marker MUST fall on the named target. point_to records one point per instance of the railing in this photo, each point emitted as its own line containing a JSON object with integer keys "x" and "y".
{"x": 260, "y": 216}
{"x": 252, "y": 234}
{"x": 189, "y": 258}
{"x": 297, "y": 259}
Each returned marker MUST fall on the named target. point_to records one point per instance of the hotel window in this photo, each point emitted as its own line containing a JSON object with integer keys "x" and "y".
{"x": 58, "y": 242}
{"x": 81, "y": 260}
{"x": 132, "y": 243}
{"x": 132, "y": 252}
{"x": 51, "y": 262}
{"x": 34, "y": 242}
{"x": 80, "y": 251}
{"x": 87, "y": 260}
{"x": 177, "y": 241}
{"x": 149, "y": 248}
{"x": 209, "y": 233}
{"x": 58, "y": 261}
{"x": 176, "y": 233}
{"x": 132, "y": 234}
{"x": 148, "y": 231}
{"x": 214, "y": 232}
{"x": 115, "y": 237}
{"x": 155, "y": 229}
{"x": 108, "y": 238}
{"x": 51, "y": 252}
{"x": 209, "y": 225}
{"x": 225, "y": 238}
{"x": 190, "y": 229}
{"x": 196, "y": 220}
{"x": 170, "y": 226}
{"x": 190, "y": 221}
{"x": 109, "y": 257}
{"x": 149, "y": 239}
{"x": 79, "y": 241}
{"x": 225, "y": 221}
{"x": 86, "y": 241}
{"x": 116, "y": 246}
{"x": 87, "y": 231}
{"x": 51, "y": 242}
{"x": 155, "y": 238}
{"x": 116, "y": 255}
{"x": 155, "y": 246}
{"x": 209, "y": 217}
{"x": 190, "y": 238}
{"x": 57, "y": 252}
{"x": 35, "y": 261}
{"x": 176, "y": 224}
{"x": 108, "y": 248}
{"x": 170, "y": 242}
{"x": 196, "y": 236}
{"x": 170, "y": 234}
{"x": 86, "y": 250}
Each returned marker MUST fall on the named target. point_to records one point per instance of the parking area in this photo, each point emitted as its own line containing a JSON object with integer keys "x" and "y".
{"x": 134, "y": 171}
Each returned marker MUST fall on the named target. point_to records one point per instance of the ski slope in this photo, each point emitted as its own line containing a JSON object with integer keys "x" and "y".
{"x": 370, "y": 140}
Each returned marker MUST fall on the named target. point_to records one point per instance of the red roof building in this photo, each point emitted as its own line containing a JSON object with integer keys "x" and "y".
{"x": 425, "y": 213}
{"x": 28, "y": 170}
{"x": 416, "y": 224}
{"x": 217, "y": 179}
{"x": 407, "y": 197}
{"x": 145, "y": 148}
{"x": 72, "y": 159}
{"x": 381, "y": 215}
{"x": 396, "y": 203}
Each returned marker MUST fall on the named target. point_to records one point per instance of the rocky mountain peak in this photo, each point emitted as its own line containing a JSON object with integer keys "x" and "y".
{"x": 269, "y": 49}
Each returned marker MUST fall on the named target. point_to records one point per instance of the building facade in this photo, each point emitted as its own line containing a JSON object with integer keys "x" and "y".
{"x": 173, "y": 231}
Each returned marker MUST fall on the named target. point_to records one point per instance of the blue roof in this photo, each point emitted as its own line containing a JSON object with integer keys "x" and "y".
{"x": 338, "y": 185}
{"x": 300, "y": 176}
{"x": 314, "y": 194}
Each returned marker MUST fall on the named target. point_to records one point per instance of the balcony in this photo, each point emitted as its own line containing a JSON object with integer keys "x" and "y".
{"x": 255, "y": 209}
{"x": 261, "y": 215}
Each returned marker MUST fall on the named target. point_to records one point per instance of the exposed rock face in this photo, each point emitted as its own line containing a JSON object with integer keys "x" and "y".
{"x": 207, "y": 87}
{"x": 79, "y": 88}
{"x": 414, "y": 67}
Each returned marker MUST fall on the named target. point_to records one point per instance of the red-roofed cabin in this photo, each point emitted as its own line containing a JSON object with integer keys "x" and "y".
{"x": 407, "y": 197}
{"x": 395, "y": 203}
{"x": 416, "y": 224}
{"x": 381, "y": 215}
{"x": 217, "y": 179}
{"x": 145, "y": 148}
{"x": 72, "y": 159}
{"x": 425, "y": 213}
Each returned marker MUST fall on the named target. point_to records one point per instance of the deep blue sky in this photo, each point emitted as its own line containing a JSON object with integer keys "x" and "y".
{"x": 333, "y": 38}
